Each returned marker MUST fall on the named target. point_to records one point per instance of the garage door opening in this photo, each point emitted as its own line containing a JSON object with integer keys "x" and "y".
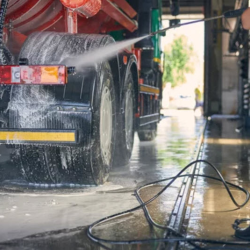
{"x": 183, "y": 80}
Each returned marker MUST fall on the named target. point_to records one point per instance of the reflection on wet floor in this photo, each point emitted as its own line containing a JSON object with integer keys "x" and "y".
{"x": 167, "y": 155}
{"x": 162, "y": 158}
{"x": 212, "y": 211}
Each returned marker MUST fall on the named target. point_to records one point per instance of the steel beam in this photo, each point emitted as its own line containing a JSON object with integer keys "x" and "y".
{"x": 114, "y": 12}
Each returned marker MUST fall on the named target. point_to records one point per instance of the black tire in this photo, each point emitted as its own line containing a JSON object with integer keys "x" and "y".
{"x": 126, "y": 124}
{"x": 101, "y": 162}
{"x": 54, "y": 164}
{"x": 148, "y": 133}
{"x": 39, "y": 164}
{"x": 91, "y": 166}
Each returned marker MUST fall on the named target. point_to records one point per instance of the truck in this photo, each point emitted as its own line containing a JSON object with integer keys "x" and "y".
{"x": 73, "y": 126}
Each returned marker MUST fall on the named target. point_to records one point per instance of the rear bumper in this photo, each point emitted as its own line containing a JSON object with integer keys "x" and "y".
{"x": 71, "y": 126}
{"x": 8, "y": 136}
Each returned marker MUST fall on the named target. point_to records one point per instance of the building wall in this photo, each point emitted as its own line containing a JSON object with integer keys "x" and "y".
{"x": 230, "y": 81}
{"x": 221, "y": 69}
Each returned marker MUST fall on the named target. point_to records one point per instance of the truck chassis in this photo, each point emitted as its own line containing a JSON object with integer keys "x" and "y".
{"x": 74, "y": 126}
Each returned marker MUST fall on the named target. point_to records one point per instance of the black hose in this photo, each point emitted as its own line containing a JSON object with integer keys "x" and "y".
{"x": 178, "y": 237}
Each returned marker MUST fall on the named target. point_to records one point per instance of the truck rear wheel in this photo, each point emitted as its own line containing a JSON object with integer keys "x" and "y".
{"x": 125, "y": 133}
{"x": 148, "y": 133}
{"x": 39, "y": 164}
{"x": 104, "y": 129}
{"x": 89, "y": 164}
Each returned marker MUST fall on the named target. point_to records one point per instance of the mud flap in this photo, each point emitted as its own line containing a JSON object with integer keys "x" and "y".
{"x": 49, "y": 127}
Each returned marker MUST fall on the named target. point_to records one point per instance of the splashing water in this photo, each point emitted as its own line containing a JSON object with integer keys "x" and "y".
{"x": 101, "y": 54}
{"x": 104, "y": 53}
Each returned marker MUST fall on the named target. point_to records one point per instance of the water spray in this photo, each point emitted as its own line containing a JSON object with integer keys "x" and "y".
{"x": 104, "y": 53}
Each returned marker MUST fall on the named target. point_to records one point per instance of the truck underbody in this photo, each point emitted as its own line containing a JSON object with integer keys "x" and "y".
{"x": 74, "y": 126}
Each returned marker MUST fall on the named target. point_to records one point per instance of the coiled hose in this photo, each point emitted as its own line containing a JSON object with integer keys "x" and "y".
{"x": 177, "y": 237}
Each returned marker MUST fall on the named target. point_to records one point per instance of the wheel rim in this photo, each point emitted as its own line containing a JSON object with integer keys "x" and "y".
{"x": 106, "y": 125}
{"x": 129, "y": 119}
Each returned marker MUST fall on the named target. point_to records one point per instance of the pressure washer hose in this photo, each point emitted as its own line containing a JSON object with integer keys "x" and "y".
{"x": 176, "y": 236}
{"x": 93, "y": 57}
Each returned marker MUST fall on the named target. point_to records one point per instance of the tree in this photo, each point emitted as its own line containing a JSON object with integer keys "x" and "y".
{"x": 178, "y": 61}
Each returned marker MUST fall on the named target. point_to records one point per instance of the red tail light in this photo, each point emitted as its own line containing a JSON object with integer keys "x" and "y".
{"x": 5, "y": 73}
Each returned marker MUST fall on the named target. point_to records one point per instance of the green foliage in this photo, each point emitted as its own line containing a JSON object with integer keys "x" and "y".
{"x": 178, "y": 61}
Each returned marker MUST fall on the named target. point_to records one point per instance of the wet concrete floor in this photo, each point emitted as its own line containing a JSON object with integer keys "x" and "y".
{"x": 57, "y": 219}
{"x": 211, "y": 212}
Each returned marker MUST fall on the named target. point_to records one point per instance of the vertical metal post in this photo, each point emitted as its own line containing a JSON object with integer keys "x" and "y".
{"x": 70, "y": 21}
{"x": 207, "y": 11}
{"x": 213, "y": 59}
{"x": 248, "y": 52}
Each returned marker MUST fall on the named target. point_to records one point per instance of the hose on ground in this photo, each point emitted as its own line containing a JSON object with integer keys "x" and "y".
{"x": 175, "y": 236}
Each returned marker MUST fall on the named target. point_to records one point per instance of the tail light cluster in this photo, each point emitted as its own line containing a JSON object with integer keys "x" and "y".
{"x": 47, "y": 75}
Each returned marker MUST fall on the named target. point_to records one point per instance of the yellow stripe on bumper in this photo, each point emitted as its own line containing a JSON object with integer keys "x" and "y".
{"x": 18, "y": 136}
